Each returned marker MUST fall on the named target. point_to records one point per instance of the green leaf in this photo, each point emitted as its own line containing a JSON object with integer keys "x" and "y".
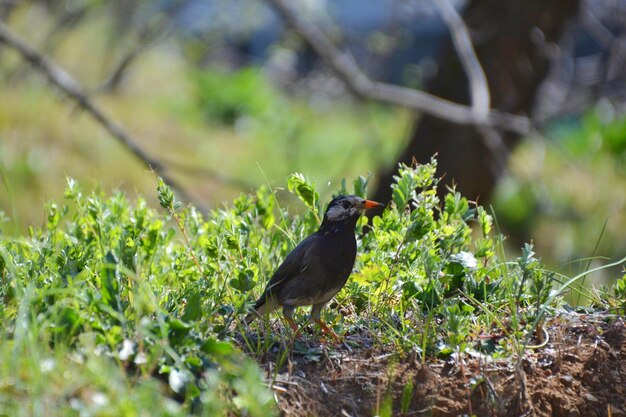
{"x": 194, "y": 307}
{"x": 244, "y": 281}
{"x": 72, "y": 191}
{"x": 217, "y": 347}
{"x": 265, "y": 202}
{"x": 484, "y": 248}
{"x": 360, "y": 185}
{"x": 402, "y": 192}
{"x": 166, "y": 196}
{"x": 456, "y": 205}
{"x": 109, "y": 279}
{"x": 193, "y": 361}
{"x": 305, "y": 191}
{"x": 178, "y": 325}
{"x": 455, "y": 274}
{"x": 68, "y": 319}
{"x": 422, "y": 224}
{"x": 485, "y": 220}
{"x": 410, "y": 289}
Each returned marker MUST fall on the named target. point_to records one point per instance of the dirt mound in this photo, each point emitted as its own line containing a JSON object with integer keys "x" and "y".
{"x": 579, "y": 370}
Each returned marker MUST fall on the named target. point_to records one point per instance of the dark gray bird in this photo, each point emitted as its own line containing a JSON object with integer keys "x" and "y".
{"x": 318, "y": 267}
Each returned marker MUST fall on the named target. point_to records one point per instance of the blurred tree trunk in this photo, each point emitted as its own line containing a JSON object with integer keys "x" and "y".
{"x": 513, "y": 41}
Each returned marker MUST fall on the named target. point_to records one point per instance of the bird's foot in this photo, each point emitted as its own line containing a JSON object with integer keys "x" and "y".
{"x": 328, "y": 331}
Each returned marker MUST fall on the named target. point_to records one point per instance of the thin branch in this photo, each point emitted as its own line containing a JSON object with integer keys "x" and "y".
{"x": 64, "y": 81}
{"x": 67, "y": 20}
{"x": 147, "y": 37}
{"x": 344, "y": 66}
{"x": 115, "y": 78}
{"x": 479, "y": 89}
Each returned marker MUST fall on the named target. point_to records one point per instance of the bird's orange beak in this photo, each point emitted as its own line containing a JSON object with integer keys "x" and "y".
{"x": 368, "y": 204}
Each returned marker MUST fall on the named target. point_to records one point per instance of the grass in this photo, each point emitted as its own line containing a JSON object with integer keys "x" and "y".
{"x": 114, "y": 308}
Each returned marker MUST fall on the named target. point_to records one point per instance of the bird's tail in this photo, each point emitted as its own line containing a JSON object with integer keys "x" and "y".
{"x": 263, "y": 306}
{"x": 255, "y": 312}
{"x": 251, "y": 316}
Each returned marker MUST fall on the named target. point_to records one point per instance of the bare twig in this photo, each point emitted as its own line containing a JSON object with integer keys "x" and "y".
{"x": 344, "y": 66}
{"x": 478, "y": 86}
{"x": 479, "y": 89}
{"x": 147, "y": 37}
{"x": 64, "y": 81}
{"x": 116, "y": 76}
{"x": 66, "y": 20}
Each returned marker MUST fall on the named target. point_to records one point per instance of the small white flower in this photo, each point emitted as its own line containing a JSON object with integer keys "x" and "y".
{"x": 127, "y": 350}
{"x": 466, "y": 259}
{"x": 47, "y": 365}
{"x": 141, "y": 358}
{"x": 178, "y": 380}
{"x": 99, "y": 399}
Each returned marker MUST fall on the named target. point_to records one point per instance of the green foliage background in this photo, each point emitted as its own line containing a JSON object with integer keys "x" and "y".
{"x": 113, "y": 308}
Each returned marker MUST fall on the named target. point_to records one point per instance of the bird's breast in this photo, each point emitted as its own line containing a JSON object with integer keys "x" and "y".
{"x": 339, "y": 256}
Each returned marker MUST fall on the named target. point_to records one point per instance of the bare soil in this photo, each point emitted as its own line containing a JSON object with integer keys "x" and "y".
{"x": 578, "y": 370}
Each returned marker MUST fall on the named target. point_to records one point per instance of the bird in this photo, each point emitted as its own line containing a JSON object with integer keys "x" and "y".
{"x": 318, "y": 267}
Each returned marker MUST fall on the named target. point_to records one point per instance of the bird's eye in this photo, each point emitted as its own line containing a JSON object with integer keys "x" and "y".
{"x": 346, "y": 205}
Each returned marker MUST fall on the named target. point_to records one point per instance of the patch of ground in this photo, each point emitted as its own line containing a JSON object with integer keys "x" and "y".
{"x": 579, "y": 371}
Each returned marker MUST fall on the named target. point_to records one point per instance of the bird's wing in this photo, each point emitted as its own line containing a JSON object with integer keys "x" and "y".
{"x": 296, "y": 262}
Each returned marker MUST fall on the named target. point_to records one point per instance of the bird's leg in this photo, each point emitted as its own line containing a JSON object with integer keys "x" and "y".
{"x": 292, "y": 324}
{"x": 327, "y": 330}
{"x": 316, "y": 311}
{"x": 287, "y": 312}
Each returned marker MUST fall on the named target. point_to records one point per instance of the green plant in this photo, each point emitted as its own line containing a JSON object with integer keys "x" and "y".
{"x": 619, "y": 295}
{"x": 141, "y": 307}
{"x": 114, "y": 286}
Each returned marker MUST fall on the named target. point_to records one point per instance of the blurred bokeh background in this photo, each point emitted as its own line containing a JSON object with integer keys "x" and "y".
{"x": 227, "y": 96}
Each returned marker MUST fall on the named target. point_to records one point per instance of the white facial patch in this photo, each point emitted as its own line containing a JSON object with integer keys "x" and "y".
{"x": 337, "y": 212}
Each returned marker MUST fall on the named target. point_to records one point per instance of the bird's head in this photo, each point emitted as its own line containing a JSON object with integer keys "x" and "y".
{"x": 347, "y": 207}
